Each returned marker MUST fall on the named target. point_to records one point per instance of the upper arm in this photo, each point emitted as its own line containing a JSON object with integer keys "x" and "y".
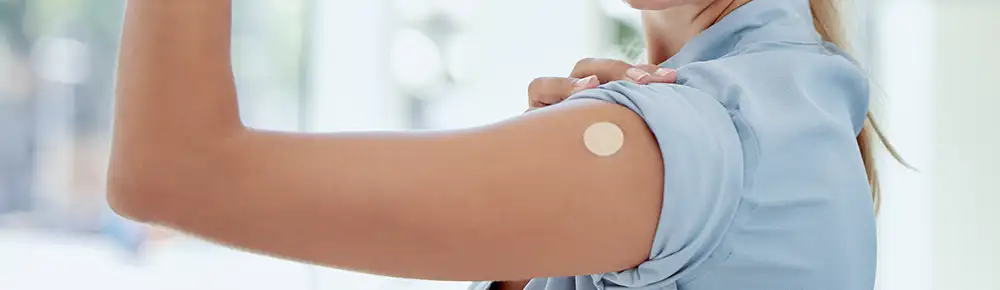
{"x": 553, "y": 208}
{"x": 517, "y": 199}
{"x": 525, "y": 198}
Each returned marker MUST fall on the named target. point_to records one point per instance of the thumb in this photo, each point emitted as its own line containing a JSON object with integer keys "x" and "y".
{"x": 584, "y": 84}
{"x": 543, "y": 92}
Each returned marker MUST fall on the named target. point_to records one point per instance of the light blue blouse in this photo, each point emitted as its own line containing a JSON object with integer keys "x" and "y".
{"x": 764, "y": 186}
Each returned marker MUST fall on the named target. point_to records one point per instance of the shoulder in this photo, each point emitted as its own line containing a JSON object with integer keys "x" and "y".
{"x": 816, "y": 80}
{"x": 711, "y": 128}
{"x": 702, "y": 175}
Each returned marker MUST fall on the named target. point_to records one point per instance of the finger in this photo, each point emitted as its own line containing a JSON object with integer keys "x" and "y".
{"x": 659, "y": 74}
{"x": 585, "y": 84}
{"x": 552, "y": 90}
{"x": 608, "y": 70}
{"x": 548, "y": 91}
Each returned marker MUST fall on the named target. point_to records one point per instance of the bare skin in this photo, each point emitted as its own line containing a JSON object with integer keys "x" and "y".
{"x": 448, "y": 205}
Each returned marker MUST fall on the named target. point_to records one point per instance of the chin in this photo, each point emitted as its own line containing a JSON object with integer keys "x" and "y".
{"x": 660, "y": 4}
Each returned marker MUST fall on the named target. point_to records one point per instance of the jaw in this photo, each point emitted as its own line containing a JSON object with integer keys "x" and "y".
{"x": 660, "y": 4}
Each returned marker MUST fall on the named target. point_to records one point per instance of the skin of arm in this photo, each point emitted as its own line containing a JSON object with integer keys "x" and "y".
{"x": 519, "y": 199}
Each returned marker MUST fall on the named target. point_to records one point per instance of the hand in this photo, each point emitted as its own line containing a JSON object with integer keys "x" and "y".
{"x": 590, "y": 73}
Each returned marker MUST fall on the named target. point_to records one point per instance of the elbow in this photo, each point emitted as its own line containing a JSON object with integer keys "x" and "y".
{"x": 136, "y": 187}
{"x": 153, "y": 182}
{"x": 131, "y": 196}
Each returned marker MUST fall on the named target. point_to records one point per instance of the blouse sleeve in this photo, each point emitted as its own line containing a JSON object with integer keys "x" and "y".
{"x": 703, "y": 180}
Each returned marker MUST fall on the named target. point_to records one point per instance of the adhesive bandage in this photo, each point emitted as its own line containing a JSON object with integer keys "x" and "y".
{"x": 604, "y": 139}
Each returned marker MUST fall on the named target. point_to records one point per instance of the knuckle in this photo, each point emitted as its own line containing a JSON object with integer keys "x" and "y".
{"x": 535, "y": 82}
{"x": 621, "y": 66}
{"x": 584, "y": 62}
{"x": 538, "y": 86}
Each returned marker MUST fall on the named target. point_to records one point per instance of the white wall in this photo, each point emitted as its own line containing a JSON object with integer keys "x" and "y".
{"x": 513, "y": 42}
{"x": 937, "y": 64}
{"x": 903, "y": 100}
{"x": 966, "y": 195}
{"x": 350, "y": 86}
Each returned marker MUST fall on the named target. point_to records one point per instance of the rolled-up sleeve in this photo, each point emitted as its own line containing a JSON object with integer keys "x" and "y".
{"x": 703, "y": 179}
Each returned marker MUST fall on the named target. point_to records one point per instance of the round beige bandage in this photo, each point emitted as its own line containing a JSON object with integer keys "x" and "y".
{"x": 604, "y": 139}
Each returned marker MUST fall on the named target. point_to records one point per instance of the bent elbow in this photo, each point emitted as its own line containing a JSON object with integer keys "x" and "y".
{"x": 151, "y": 176}
{"x": 130, "y": 197}
{"x": 149, "y": 184}
{"x": 135, "y": 187}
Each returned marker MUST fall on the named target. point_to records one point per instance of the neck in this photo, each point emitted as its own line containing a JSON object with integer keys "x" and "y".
{"x": 667, "y": 31}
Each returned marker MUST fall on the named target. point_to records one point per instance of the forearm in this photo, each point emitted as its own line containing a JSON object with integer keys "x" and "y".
{"x": 174, "y": 67}
{"x": 176, "y": 99}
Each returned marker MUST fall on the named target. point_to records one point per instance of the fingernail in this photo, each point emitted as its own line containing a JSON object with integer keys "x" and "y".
{"x": 637, "y": 75}
{"x": 664, "y": 72}
{"x": 585, "y": 82}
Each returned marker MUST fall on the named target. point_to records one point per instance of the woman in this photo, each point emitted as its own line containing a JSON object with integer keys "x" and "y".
{"x": 749, "y": 173}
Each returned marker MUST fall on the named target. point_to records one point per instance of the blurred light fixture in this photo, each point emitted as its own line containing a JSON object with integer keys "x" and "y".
{"x": 459, "y": 58}
{"x": 61, "y": 60}
{"x": 415, "y": 60}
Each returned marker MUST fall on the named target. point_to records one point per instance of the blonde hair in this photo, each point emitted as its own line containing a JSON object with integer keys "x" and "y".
{"x": 827, "y": 21}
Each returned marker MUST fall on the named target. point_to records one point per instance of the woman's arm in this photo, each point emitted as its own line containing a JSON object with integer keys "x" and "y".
{"x": 518, "y": 199}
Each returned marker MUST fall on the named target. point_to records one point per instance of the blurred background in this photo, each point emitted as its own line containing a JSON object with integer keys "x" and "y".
{"x": 432, "y": 64}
